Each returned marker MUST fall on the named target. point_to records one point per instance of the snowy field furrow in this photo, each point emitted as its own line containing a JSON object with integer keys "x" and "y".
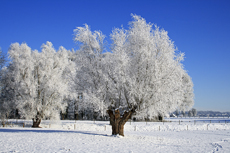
{"x": 90, "y": 136}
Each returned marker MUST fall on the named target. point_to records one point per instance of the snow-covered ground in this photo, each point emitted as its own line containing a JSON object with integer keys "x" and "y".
{"x": 87, "y": 136}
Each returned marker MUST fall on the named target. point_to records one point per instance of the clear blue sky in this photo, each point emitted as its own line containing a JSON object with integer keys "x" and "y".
{"x": 199, "y": 28}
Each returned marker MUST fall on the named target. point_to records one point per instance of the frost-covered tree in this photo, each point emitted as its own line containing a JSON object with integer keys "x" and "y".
{"x": 190, "y": 113}
{"x": 194, "y": 112}
{"x": 2, "y": 65}
{"x": 142, "y": 74}
{"x": 188, "y": 95}
{"x": 6, "y": 101}
{"x": 4, "y": 109}
{"x": 177, "y": 113}
{"x": 2, "y": 59}
{"x": 90, "y": 79}
{"x": 38, "y": 81}
{"x": 183, "y": 113}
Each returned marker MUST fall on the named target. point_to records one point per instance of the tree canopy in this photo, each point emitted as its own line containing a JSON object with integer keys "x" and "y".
{"x": 143, "y": 70}
{"x": 36, "y": 82}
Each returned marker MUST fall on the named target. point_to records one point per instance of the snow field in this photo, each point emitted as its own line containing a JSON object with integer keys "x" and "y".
{"x": 87, "y": 136}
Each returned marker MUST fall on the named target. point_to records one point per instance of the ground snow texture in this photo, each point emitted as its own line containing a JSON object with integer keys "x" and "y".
{"x": 87, "y": 136}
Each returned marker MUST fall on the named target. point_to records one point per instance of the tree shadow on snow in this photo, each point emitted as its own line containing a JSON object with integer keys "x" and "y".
{"x": 49, "y": 131}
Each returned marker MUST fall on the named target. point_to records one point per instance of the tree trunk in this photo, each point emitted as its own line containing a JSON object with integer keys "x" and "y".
{"x": 36, "y": 123}
{"x": 118, "y": 122}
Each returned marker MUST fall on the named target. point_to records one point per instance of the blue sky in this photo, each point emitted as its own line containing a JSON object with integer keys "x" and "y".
{"x": 199, "y": 28}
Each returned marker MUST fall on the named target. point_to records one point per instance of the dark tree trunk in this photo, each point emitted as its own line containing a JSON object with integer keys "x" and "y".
{"x": 160, "y": 118}
{"x": 118, "y": 122}
{"x": 36, "y": 123}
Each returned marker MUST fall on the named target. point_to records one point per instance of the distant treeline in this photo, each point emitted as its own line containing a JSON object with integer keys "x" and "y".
{"x": 212, "y": 114}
